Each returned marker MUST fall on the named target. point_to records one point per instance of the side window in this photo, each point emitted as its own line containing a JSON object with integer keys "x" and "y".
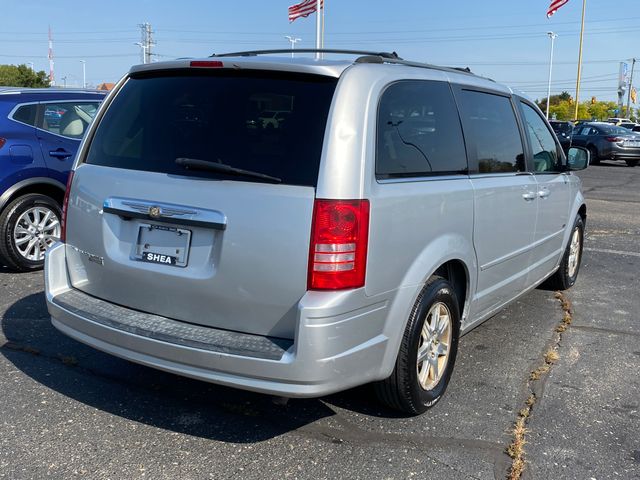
{"x": 419, "y": 131}
{"x": 69, "y": 119}
{"x": 26, "y": 114}
{"x": 585, "y": 131}
{"x": 492, "y": 130}
{"x": 543, "y": 146}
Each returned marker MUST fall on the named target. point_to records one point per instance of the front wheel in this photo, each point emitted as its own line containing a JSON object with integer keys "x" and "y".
{"x": 427, "y": 353}
{"x": 566, "y": 276}
{"x": 28, "y": 227}
{"x": 595, "y": 159}
{"x": 632, "y": 163}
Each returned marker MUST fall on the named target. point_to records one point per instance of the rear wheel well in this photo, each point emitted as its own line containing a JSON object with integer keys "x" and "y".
{"x": 455, "y": 273}
{"x": 49, "y": 190}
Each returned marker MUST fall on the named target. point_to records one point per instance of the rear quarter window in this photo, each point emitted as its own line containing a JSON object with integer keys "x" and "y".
{"x": 267, "y": 122}
{"x": 418, "y": 131}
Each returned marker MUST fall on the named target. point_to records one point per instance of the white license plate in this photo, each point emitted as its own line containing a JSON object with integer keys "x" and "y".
{"x": 632, "y": 143}
{"x": 163, "y": 245}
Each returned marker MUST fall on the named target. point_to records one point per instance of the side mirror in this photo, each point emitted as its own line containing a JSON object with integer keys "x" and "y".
{"x": 578, "y": 158}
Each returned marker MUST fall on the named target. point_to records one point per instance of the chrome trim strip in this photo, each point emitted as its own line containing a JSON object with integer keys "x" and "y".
{"x": 165, "y": 212}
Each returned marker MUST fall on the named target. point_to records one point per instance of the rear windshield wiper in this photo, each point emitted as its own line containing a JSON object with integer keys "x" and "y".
{"x": 195, "y": 164}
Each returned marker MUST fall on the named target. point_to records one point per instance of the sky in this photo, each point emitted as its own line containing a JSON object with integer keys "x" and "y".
{"x": 500, "y": 39}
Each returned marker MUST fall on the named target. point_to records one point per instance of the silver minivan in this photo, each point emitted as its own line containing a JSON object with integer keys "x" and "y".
{"x": 397, "y": 207}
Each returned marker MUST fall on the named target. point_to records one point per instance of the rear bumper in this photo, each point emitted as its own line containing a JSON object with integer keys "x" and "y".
{"x": 615, "y": 152}
{"x": 341, "y": 340}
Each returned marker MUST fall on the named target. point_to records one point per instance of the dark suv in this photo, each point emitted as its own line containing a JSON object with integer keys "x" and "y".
{"x": 563, "y": 132}
{"x": 40, "y": 131}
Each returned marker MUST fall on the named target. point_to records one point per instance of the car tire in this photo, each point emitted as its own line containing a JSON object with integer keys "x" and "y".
{"x": 415, "y": 386}
{"x": 632, "y": 163}
{"x": 23, "y": 239}
{"x": 565, "y": 277}
{"x": 595, "y": 159}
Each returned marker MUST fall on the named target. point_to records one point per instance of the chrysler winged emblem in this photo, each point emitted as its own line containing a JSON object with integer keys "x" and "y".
{"x": 155, "y": 212}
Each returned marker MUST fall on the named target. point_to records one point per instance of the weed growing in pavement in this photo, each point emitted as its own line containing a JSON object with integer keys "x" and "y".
{"x": 515, "y": 450}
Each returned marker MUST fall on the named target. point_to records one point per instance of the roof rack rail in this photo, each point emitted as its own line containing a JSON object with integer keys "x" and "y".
{"x": 253, "y": 53}
{"x": 367, "y": 57}
{"x": 378, "y": 59}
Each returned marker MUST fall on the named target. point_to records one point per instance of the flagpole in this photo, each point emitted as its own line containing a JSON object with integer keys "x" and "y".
{"x": 552, "y": 36}
{"x": 584, "y": 8}
{"x": 318, "y": 27}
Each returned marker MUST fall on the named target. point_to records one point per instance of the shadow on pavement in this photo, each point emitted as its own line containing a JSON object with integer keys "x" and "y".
{"x": 154, "y": 397}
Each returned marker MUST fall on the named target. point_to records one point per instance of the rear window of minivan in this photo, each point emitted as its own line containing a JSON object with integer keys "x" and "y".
{"x": 272, "y": 123}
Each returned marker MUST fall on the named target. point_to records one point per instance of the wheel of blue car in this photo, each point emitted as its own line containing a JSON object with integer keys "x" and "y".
{"x": 632, "y": 163}
{"x": 427, "y": 353}
{"x": 595, "y": 159}
{"x": 28, "y": 227}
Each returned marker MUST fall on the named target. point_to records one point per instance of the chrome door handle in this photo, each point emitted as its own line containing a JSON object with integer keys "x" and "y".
{"x": 544, "y": 193}
{"x": 529, "y": 196}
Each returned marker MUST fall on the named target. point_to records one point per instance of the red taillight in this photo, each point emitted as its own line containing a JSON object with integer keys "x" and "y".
{"x": 2, "y": 142}
{"x": 206, "y": 63}
{"x": 338, "y": 250}
{"x": 65, "y": 207}
{"x": 614, "y": 139}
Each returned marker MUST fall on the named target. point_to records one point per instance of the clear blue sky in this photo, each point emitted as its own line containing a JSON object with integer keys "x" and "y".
{"x": 504, "y": 40}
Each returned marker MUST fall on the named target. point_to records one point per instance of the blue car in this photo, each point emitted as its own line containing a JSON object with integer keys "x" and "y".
{"x": 40, "y": 131}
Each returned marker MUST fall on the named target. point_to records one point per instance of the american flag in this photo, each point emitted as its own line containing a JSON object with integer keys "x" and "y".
{"x": 555, "y": 5}
{"x": 303, "y": 9}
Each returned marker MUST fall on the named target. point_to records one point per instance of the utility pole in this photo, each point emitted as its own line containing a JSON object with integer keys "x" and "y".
{"x": 84, "y": 73}
{"x": 552, "y": 36}
{"x": 146, "y": 41}
{"x": 293, "y": 41}
{"x": 31, "y": 66}
{"x": 64, "y": 79}
{"x": 633, "y": 65}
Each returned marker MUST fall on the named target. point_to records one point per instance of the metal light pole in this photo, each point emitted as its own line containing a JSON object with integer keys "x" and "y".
{"x": 293, "y": 41}
{"x": 84, "y": 73}
{"x": 552, "y": 36}
{"x": 144, "y": 51}
{"x": 31, "y": 66}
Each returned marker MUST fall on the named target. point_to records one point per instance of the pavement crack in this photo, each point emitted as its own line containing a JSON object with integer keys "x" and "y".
{"x": 535, "y": 387}
{"x": 605, "y": 331}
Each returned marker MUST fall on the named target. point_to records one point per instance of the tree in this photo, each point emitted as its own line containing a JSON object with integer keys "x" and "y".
{"x": 553, "y": 100}
{"x": 22, "y": 76}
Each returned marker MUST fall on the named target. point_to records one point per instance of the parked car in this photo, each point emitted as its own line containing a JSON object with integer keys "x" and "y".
{"x": 617, "y": 120}
{"x": 563, "y": 131}
{"x": 399, "y": 206}
{"x": 608, "y": 142}
{"x": 629, "y": 125}
{"x": 40, "y": 131}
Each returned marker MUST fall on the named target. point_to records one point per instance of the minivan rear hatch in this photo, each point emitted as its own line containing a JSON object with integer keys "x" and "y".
{"x": 193, "y": 201}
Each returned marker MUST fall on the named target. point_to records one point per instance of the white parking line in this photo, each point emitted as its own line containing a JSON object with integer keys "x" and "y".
{"x": 615, "y": 252}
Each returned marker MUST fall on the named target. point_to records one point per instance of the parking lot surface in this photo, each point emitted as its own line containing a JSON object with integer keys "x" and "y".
{"x": 68, "y": 411}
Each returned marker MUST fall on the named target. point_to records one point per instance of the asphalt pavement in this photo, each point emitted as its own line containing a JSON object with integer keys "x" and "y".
{"x": 68, "y": 411}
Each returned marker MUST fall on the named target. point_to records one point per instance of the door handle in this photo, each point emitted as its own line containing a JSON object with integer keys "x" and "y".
{"x": 529, "y": 196}
{"x": 60, "y": 153}
{"x": 544, "y": 193}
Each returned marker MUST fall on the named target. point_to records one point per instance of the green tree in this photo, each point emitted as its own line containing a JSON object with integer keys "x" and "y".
{"x": 22, "y": 76}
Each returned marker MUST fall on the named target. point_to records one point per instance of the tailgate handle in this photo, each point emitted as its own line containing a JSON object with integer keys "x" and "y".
{"x": 128, "y": 208}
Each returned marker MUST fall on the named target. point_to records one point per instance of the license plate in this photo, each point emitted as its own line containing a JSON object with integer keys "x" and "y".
{"x": 632, "y": 143}
{"x": 163, "y": 245}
